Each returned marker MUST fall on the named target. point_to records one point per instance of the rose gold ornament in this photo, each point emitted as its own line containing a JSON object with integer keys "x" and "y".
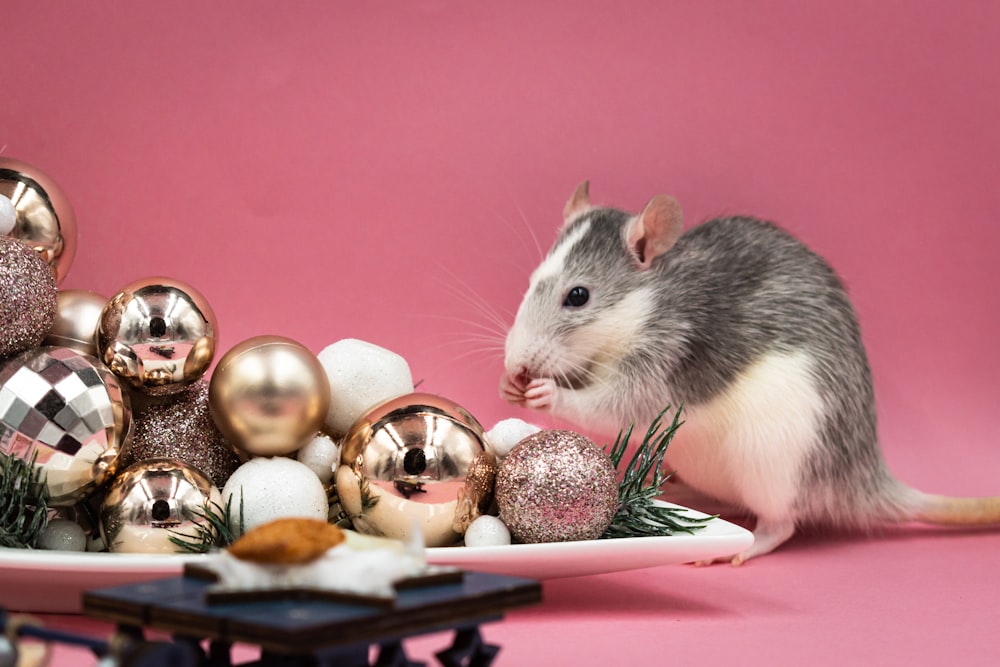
{"x": 44, "y": 219}
{"x": 158, "y": 335}
{"x": 77, "y": 314}
{"x": 417, "y": 462}
{"x": 269, "y": 395}
{"x": 153, "y": 501}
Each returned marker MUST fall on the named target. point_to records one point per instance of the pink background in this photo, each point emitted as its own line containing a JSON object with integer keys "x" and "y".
{"x": 378, "y": 170}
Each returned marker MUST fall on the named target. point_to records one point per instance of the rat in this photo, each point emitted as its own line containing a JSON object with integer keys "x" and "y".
{"x": 748, "y": 329}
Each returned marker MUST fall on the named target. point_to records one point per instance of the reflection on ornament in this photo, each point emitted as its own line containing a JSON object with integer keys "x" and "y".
{"x": 70, "y": 411}
{"x": 27, "y": 298}
{"x": 269, "y": 395}
{"x": 181, "y": 428}
{"x": 153, "y": 501}
{"x": 75, "y": 325}
{"x": 157, "y": 334}
{"x": 557, "y": 486}
{"x": 45, "y": 220}
{"x": 404, "y": 465}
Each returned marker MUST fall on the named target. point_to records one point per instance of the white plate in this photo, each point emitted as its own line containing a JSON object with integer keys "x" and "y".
{"x": 52, "y": 581}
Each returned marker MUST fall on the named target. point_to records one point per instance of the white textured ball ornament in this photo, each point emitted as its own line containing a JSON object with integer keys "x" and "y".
{"x": 487, "y": 531}
{"x": 8, "y": 216}
{"x": 361, "y": 376}
{"x": 321, "y": 455}
{"x": 273, "y": 488}
{"x": 62, "y": 535}
{"x": 507, "y": 433}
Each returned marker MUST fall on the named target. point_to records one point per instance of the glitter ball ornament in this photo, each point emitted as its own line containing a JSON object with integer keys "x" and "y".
{"x": 27, "y": 297}
{"x": 153, "y": 501}
{"x": 182, "y": 428}
{"x": 44, "y": 220}
{"x": 556, "y": 486}
{"x": 68, "y": 410}
{"x": 158, "y": 335}
{"x": 487, "y": 531}
{"x": 264, "y": 489}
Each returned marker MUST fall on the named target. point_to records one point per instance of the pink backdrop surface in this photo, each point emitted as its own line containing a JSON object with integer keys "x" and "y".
{"x": 381, "y": 171}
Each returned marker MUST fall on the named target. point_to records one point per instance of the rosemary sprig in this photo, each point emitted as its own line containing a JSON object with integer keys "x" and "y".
{"x": 24, "y": 511}
{"x": 213, "y": 532}
{"x": 638, "y": 515}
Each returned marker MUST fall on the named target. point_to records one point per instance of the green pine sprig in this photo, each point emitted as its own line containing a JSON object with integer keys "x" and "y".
{"x": 24, "y": 511}
{"x": 213, "y": 532}
{"x": 642, "y": 481}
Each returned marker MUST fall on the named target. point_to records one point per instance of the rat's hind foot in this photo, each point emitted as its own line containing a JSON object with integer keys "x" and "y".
{"x": 767, "y": 536}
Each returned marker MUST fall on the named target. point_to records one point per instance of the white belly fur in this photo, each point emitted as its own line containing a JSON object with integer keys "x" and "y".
{"x": 748, "y": 445}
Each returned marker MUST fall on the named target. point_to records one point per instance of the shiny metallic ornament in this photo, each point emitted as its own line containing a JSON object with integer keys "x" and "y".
{"x": 77, "y": 313}
{"x": 269, "y": 395}
{"x": 45, "y": 220}
{"x": 417, "y": 462}
{"x": 557, "y": 486}
{"x": 27, "y": 298}
{"x": 152, "y": 501}
{"x": 158, "y": 334}
{"x": 70, "y": 411}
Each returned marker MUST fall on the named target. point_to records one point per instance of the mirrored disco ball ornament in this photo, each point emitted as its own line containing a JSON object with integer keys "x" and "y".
{"x": 68, "y": 410}
{"x": 153, "y": 501}
{"x": 43, "y": 219}
{"x": 417, "y": 462}
{"x": 158, "y": 335}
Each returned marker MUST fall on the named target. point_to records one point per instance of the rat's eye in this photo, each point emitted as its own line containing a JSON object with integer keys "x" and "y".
{"x": 577, "y": 297}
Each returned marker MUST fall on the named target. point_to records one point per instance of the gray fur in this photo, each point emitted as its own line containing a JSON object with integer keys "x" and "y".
{"x": 730, "y": 291}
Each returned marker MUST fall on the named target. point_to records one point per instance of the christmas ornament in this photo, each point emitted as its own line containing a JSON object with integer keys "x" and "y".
{"x": 157, "y": 334}
{"x": 27, "y": 298}
{"x": 487, "y": 531}
{"x": 75, "y": 325}
{"x": 321, "y": 455}
{"x": 182, "y": 428}
{"x": 361, "y": 376}
{"x": 62, "y": 535}
{"x": 153, "y": 501}
{"x": 556, "y": 486}
{"x": 44, "y": 218}
{"x": 269, "y": 395}
{"x": 507, "y": 433}
{"x": 404, "y": 464}
{"x": 264, "y": 489}
{"x": 8, "y": 216}
{"x": 67, "y": 410}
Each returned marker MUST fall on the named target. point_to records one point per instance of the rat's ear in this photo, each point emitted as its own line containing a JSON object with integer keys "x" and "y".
{"x": 655, "y": 230}
{"x": 578, "y": 203}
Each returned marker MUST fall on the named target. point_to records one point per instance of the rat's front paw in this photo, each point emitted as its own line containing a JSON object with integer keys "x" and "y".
{"x": 540, "y": 394}
{"x": 512, "y": 389}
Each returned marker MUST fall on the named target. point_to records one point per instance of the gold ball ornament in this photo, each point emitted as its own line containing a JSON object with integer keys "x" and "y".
{"x": 158, "y": 335}
{"x": 44, "y": 218}
{"x": 70, "y": 412}
{"x": 77, "y": 313}
{"x": 152, "y": 501}
{"x": 416, "y": 462}
{"x": 269, "y": 395}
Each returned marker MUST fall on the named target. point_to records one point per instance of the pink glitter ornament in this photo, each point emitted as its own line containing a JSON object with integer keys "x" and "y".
{"x": 556, "y": 486}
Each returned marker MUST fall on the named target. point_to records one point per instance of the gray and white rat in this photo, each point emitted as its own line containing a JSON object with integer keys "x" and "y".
{"x": 750, "y": 330}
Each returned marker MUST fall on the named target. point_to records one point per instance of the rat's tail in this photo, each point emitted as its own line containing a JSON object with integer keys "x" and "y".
{"x": 951, "y": 511}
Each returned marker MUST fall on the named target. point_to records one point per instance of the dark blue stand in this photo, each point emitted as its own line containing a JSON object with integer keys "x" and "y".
{"x": 308, "y": 631}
